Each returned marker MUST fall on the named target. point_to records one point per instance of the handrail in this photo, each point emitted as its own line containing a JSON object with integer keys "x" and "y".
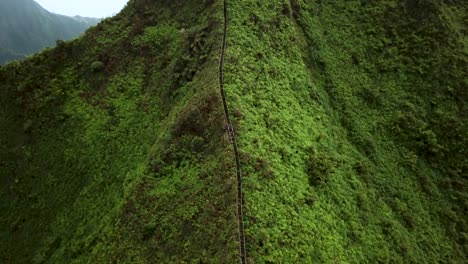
{"x": 232, "y": 137}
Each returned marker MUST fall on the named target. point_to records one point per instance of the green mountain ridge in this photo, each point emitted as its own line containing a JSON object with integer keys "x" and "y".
{"x": 26, "y": 28}
{"x": 350, "y": 120}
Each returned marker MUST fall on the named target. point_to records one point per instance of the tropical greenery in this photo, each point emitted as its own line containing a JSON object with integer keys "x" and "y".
{"x": 357, "y": 112}
{"x": 350, "y": 116}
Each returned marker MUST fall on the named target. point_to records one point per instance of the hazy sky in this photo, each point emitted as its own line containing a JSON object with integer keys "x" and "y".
{"x": 88, "y": 8}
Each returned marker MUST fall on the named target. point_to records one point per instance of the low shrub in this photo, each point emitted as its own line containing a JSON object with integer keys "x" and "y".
{"x": 97, "y": 66}
{"x": 320, "y": 166}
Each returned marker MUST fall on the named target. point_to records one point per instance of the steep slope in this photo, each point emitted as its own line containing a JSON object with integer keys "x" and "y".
{"x": 113, "y": 146}
{"x": 350, "y": 120}
{"x": 26, "y": 27}
{"x": 352, "y": 127}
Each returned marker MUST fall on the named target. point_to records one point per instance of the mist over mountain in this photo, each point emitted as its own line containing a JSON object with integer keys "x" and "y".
{"x": 227, "y": 131}
{"x": 26, "y": 28}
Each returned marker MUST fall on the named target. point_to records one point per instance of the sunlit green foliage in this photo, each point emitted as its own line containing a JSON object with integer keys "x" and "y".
{"x": 355, "y": 109}
{"x": 351, "y": 119}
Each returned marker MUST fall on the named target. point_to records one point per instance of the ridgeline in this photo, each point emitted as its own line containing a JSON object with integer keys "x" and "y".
{"x": 350, "y": 122}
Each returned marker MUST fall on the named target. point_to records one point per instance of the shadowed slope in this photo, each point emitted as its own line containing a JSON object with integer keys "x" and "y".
{"x": 114, "y": 146}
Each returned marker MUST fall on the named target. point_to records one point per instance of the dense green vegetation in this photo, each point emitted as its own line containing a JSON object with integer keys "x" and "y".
{"x": 26, "y": 28}
{"x": 113, "y": 146}
{"x": 351, "y": 119}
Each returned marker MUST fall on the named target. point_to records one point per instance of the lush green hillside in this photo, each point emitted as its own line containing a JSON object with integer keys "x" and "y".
{"x": 350, "y": 116}
{"x": 113, "y": 146}
{"x": 26, "y": 27}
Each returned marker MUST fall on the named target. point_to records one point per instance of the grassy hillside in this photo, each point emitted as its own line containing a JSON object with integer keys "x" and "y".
{"x": 113, "y": 146}
{"x": 26, "y": 28}
{"x": 352, "y": 120}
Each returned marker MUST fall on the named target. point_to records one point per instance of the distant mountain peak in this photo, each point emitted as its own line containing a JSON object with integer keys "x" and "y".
{"x": 26, "y": 27}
